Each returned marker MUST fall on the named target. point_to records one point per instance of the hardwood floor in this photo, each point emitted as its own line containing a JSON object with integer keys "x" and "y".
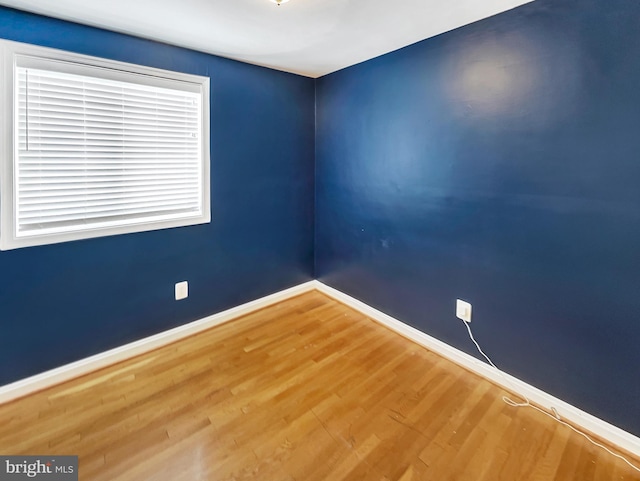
{"x": 305, "y": 390}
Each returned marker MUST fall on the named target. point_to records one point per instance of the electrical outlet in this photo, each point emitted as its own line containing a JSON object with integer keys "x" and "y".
{"x": 463, "y": 310}
{"x": 182, "y": 290}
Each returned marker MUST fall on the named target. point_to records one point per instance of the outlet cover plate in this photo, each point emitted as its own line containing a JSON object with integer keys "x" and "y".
{"x": 463, "y": 310}
{"x": 182, "y": 290}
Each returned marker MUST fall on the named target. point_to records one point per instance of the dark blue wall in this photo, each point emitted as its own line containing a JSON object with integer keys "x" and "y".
{"x": 498, "y": 163}
{"x": 67, "y": 301}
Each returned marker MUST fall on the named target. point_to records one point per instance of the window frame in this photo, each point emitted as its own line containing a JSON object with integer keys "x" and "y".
{"x": 14, "y": 54}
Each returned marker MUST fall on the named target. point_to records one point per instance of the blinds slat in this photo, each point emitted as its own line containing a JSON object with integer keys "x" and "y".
{"x": 99, "y": 213}
{"x": 88, "y": 128}
{"x": 94, "y": 157}
{"x": 70, "y": 187}
{"x": 97, "y": 194}
{"x": 147, "y": 161}
{"x": 43, "y": 209}
{"x": 41, "y": 109}
{"x": 71, "y": 93}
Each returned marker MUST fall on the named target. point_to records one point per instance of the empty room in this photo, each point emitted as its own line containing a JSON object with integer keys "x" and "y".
{"x": 297, "y": 240}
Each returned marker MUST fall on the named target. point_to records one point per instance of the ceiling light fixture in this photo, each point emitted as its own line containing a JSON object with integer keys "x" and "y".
{"x": 279, "y": 2}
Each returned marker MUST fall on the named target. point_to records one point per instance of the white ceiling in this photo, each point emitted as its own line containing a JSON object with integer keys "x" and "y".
{"x": 308, "y": 37}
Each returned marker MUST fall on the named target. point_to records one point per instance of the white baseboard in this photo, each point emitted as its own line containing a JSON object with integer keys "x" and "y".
{"x": 572, "y": 414}
{"x": 61, "y": 374}
{"x": 600, "y": 428}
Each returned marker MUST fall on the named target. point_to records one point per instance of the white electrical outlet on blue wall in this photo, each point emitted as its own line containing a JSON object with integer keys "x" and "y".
{"x": 463, "y": 310}
{"x": 182, "y": 290}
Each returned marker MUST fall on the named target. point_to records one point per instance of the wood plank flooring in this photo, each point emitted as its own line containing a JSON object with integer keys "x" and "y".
{"x": 304, "y": 390}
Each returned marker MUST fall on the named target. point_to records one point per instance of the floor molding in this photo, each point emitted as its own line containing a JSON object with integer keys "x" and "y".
{"x": 614, "y": 435}
{"x": 70, "y": 371}
{"x": 586, "y": 421}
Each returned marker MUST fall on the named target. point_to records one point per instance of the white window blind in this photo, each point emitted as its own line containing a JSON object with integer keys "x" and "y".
{"x": 104, "y": 149}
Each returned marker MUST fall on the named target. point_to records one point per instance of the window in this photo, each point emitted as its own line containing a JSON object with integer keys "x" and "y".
{"x": 95, "y": 147}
